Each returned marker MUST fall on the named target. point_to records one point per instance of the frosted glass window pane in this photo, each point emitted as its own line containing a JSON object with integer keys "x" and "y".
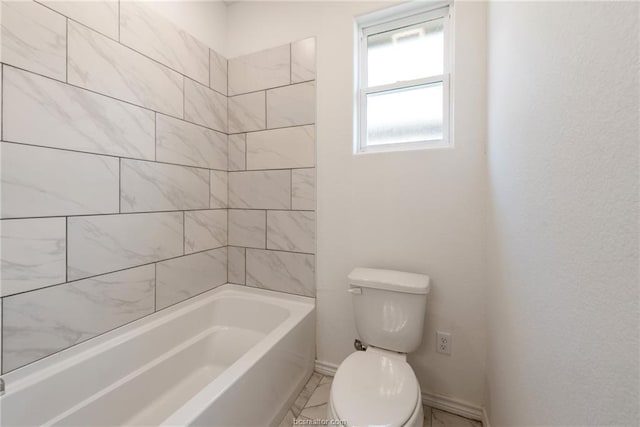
{"x": 407, "y": 53}
{"x": 405, "y": 115}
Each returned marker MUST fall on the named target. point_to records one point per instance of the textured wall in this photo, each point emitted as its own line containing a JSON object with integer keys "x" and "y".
{"x": 418, "y": 211}
{"x": 272, "y": 119}
{"x": 563, "y": 242}
{"x": 114, "y": 171}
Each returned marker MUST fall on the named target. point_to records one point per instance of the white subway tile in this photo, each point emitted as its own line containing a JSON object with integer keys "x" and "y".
{"x": 291, "y": 231}
{"x": 303, "y": 60}
{"x": 218, "y": 197}
{"x": 260, "y": 189}
{"x": 303, "y": 189}
{"x": 262, "y": 70}
{"x": 218, "y": 72}
{"x": 184, "y": 277}
{"x": 100, "y": 15}
{"x": 292, "y": 147}
{"x": 204, "y": 230}
{"x": 188, "y": 144}
{"x": 247, "y": 112}
{"x": 291, "y": 105}
{"x": 34, "y": 38}
{"x": 247, "y": 228}
{"x": 33, "y": 254}
{"x": 42, "y": 322}
{"x": 103, "y": 243}
{"x": 281, "y": 271}
{"x": 205, "y": 106}
{"x": 148, "y": 186}
{"x": 40, "y": 181}
{"x": 73, "y": 118}
{"x": 153, "y": 35}
{"x": 105, "y": 66}
{"x": 236, "y": 265}
{"x": 237, "y": 152}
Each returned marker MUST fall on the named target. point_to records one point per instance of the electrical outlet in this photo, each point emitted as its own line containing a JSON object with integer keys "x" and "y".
{"x": 443, "y": 342}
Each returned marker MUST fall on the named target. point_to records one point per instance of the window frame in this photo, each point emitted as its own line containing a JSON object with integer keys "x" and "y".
{"x": 387, "y": 23}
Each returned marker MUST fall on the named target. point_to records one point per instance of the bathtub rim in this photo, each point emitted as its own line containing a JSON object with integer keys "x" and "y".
{"x": 39, "y": 370}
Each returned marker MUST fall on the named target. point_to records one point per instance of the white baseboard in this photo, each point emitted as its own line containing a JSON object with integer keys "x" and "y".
{"x": 485, "y": 418}
{"x": 453, "y": 405}
{"x": 433, "y": 400}
{"x": 326, "y": 368}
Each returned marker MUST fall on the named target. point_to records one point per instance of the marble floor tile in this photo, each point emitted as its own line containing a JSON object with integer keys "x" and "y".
{"x": 316, "y": 406}
{"x": 427, "y": 416}
{"x": 320, "y": 395}
{"x": 445, "y": 419}
{"x": 305, "y": 394}
{"x": 315, "y": 412}
{"x": 288, "y": 420}
{"x": 312, "y": 404}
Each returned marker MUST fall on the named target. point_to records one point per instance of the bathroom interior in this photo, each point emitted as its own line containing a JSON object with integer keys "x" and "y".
{"x": 278, "y": 213}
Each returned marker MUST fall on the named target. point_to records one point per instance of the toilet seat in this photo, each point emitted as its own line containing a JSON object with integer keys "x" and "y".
{"x": 376, "y": 387}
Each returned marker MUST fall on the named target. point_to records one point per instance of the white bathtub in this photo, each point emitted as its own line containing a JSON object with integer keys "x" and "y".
{"x": 233, "y": 356}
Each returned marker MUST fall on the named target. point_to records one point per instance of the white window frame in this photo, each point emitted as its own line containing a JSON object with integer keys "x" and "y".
{"x": 391, "y": 22}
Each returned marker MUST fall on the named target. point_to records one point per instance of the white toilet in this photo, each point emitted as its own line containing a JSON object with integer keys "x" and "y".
{"x": 377, "y": 387}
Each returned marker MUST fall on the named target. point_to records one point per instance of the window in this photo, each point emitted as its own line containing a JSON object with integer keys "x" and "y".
{"x": 403, "y": 99}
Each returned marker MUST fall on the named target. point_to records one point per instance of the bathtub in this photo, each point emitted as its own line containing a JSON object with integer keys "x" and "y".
{"x": 233, "y": 356}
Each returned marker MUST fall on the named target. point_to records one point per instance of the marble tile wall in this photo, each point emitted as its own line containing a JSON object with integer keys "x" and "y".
{"x": 271, "y": 175}
{"x": 114, "y": 156}
{"x": 141, "y": 168}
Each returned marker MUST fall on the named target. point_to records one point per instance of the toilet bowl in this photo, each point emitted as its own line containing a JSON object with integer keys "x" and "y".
{"x": 377, "y": 387}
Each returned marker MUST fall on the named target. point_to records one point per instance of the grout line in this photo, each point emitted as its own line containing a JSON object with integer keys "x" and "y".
{"x": 120, "y": 157}
{"x": 272, "y": 88}
{"x": 118, "y": 213}
{"x": 273, "y": 128}
{"x": 115, "y": 271}
{"x": 112, "y": 97}
{"x": 184, "y": 234}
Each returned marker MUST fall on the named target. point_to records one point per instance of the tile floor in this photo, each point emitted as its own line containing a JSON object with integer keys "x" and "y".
{"x": 312, "y": 401}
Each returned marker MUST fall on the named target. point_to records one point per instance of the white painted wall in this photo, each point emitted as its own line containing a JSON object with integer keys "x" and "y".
{"x": 563, "y": 168}
{"x": 419, "y": 211}
{"x": 206, "y": 20}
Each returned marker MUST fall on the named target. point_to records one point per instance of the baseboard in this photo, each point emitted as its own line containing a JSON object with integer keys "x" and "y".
{"x": 326, "y": 368}
{"x": 485, "y": 418}
{"x": 433, "y": 400}
{"x": 453, "y": 405}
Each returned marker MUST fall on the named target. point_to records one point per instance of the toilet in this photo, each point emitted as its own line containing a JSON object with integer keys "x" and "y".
{"x": 377, "y": 387}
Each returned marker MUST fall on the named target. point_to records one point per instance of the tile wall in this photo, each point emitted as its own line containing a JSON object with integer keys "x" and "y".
{"x": 115, "y": 152}
{"x": 114, "y": 170}
{"x": 272, "y": 169}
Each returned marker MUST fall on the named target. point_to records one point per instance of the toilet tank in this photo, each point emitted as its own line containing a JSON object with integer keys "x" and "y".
{"x": 389, "y": 307}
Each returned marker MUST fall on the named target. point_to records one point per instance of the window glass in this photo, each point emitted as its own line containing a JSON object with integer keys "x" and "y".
{"x": 405, "y": 115}
{"x": 407, "y": 53}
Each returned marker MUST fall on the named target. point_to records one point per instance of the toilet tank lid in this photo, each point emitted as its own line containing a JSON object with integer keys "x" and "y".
{"x": 389, "y": 280}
